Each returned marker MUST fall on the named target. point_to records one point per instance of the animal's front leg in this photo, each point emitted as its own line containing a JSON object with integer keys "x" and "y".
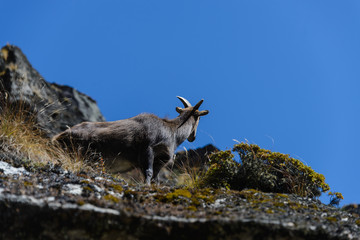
{"x": 158, "y": 165}
{"x": 148, "y": 162}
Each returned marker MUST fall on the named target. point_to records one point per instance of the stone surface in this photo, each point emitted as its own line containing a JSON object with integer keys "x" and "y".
{"x": 194, "y": 157}
{"x": 57, "y": 106}
{"x": 52, "y": 203}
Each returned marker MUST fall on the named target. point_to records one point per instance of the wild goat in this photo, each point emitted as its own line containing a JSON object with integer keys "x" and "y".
{"x": 144, "y": 141}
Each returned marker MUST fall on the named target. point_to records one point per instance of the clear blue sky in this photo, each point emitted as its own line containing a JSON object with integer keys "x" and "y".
{"x": 282, "y": 74}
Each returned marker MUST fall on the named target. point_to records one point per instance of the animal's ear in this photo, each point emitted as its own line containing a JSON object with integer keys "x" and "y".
{"x": 179, "y": 110}
{"x": 203, "y": 113}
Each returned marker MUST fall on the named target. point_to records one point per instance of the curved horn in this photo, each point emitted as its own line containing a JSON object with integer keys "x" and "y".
{"x": 196, "y": 107}
{"x": 184, "y": 101}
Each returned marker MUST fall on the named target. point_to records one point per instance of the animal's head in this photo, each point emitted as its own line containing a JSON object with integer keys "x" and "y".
{"x": 191, "y": 112}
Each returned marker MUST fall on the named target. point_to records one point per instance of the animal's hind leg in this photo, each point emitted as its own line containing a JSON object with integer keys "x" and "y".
{"x": 147, "y": 166}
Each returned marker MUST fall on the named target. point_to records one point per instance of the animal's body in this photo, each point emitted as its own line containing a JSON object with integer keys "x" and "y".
{"x": 144, "y": 141}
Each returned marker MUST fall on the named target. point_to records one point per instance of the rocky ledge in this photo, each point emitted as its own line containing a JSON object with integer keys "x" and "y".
{"x": 51, "y": 203}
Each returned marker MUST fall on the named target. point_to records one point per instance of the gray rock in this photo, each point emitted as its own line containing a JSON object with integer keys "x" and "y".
{"x": 56, "y": 106}
{"x": 352, "y": 208}
{"x": 194, "y": 157}
{"x": 50, "y": 203}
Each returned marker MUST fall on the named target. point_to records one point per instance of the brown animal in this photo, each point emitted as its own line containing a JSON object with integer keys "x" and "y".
{"x": 144, "y": 141}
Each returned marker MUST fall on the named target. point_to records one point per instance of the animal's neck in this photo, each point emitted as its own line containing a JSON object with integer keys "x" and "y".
{"x": 184, "y": 126}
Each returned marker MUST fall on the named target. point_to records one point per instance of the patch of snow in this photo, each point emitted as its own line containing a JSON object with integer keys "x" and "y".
{"x": 75, "y": 189}
{"x": 10, "y": 170}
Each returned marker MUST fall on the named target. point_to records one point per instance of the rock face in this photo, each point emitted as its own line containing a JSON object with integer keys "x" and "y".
{"x": 194, "y": 157}
{"x": 51, "y": 203}
{"x": 57, "y": 106}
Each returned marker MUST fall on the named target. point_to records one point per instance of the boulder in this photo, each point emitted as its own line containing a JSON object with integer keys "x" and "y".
{"x": 56, "y": 106}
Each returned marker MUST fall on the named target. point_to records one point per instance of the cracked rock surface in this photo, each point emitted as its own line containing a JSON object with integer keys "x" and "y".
{"x": 51, "y": 203}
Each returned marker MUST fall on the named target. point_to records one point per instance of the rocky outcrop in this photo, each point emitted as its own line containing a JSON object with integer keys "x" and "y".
{"x": 56, "y": 106}
{"x": 51, "y": 203}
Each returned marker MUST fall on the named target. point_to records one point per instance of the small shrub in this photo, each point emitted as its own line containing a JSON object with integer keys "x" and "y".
{"x": 277, "y": 172}
{"x": 223, "y": 170}
{"x": 335, "y": 198}
{"x": 263, "y": 170}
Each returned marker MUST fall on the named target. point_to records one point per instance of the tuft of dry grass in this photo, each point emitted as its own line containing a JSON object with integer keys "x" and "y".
{"x": 21, "y": 136}
{"x": 190, "y": 176}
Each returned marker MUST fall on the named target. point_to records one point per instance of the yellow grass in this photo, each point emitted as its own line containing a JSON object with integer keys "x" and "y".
{"x": 20, "y": 136}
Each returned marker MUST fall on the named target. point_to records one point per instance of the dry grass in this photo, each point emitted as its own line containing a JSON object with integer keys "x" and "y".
{"x": 20, "y": 136}
{"x": 190, "y": 175}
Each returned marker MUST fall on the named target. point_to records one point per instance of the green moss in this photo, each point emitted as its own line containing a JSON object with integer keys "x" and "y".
{"x": 332, "y": 219}
{"x": 80, "y": 202}
{"x": 358, "y": 222}
{"x": 112, "y": 198}
{"x": 279, "y": 204}
{"x": 314, "y": 206}
{"x": 296, "y": 206}
{"x": 191, "y": 208}
{"x": 258, "y": 199}
{"x": 269, "y": 211}
{"x": 170, "y": 197}
{"x": 282, "y": 195}
{"x": 87, "y": 188}
{"x": 217, "y": 212}
{"x": 190, "y": 197}
{"x": 28, "y": 184}
{"x": 249, "y": 194}
{"x": 117, "y": 188}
